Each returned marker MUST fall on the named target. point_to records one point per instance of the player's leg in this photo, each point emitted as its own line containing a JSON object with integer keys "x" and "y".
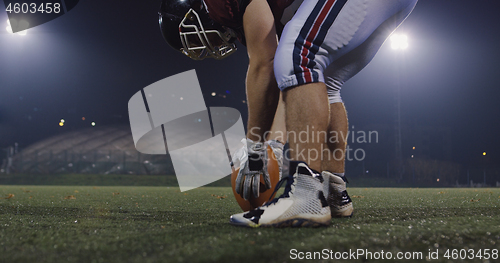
{"x": 336, "y": 142}
{"x": 317, "y": 35}
{"x": 345, "y": 66}
{"x": 307, "y": 122}
{"x": 333, "y": 165}
{"x": 303, "y": 202}
{"x": 306, "y": 106}
{"x": 299, "y": 73}
{"x": 277, "y": 137}
{"x": 278, "y": 129}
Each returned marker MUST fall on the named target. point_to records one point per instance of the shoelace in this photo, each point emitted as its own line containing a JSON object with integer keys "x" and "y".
{"x": 288, "y": 188}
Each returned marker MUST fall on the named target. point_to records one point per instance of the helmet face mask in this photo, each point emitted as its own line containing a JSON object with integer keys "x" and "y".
{"x": 187, "y": 27}
{"x": 199, "y": 43}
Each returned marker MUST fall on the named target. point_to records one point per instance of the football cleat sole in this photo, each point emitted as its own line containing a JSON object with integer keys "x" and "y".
{"x": 299, "y": 221}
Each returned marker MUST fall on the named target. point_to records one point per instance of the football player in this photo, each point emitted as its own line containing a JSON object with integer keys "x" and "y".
{"x": 322, "y": 44}
{"x": 209, "y": 29}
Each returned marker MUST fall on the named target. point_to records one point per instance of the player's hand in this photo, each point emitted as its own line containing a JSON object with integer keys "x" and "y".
{"x": 252, "y": 165}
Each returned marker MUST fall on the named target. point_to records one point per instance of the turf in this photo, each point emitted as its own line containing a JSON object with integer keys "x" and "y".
{"x": 161, "y": 224}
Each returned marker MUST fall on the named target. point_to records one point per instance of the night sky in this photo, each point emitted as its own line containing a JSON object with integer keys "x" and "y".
{"x": 89, "y": 62}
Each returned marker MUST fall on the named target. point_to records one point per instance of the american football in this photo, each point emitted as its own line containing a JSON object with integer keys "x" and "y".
{"x": 265, "y": 194}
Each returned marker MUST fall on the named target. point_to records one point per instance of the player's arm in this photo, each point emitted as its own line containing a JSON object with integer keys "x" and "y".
{"x": 262, "y": 90}
{"x": 262, "y": 95}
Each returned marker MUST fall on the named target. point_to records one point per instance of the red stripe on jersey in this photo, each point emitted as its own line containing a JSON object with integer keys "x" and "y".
{"x": 310, "y": 38}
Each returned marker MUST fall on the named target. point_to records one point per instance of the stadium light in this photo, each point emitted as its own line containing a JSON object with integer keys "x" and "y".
{"x": 22, "y": 22}
{"x": 399, "y": 42}
{"x": 484, "y": 153}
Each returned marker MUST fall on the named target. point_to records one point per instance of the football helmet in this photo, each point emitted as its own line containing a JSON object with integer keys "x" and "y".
{"x": 186, "y": 27}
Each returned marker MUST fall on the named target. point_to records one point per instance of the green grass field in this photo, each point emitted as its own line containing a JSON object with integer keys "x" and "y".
{"x": 161, "y": 224}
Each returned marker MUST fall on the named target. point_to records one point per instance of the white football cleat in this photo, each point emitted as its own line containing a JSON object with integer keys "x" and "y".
{"x": 303, "y": 203}
{"x": 338, "y": 199}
